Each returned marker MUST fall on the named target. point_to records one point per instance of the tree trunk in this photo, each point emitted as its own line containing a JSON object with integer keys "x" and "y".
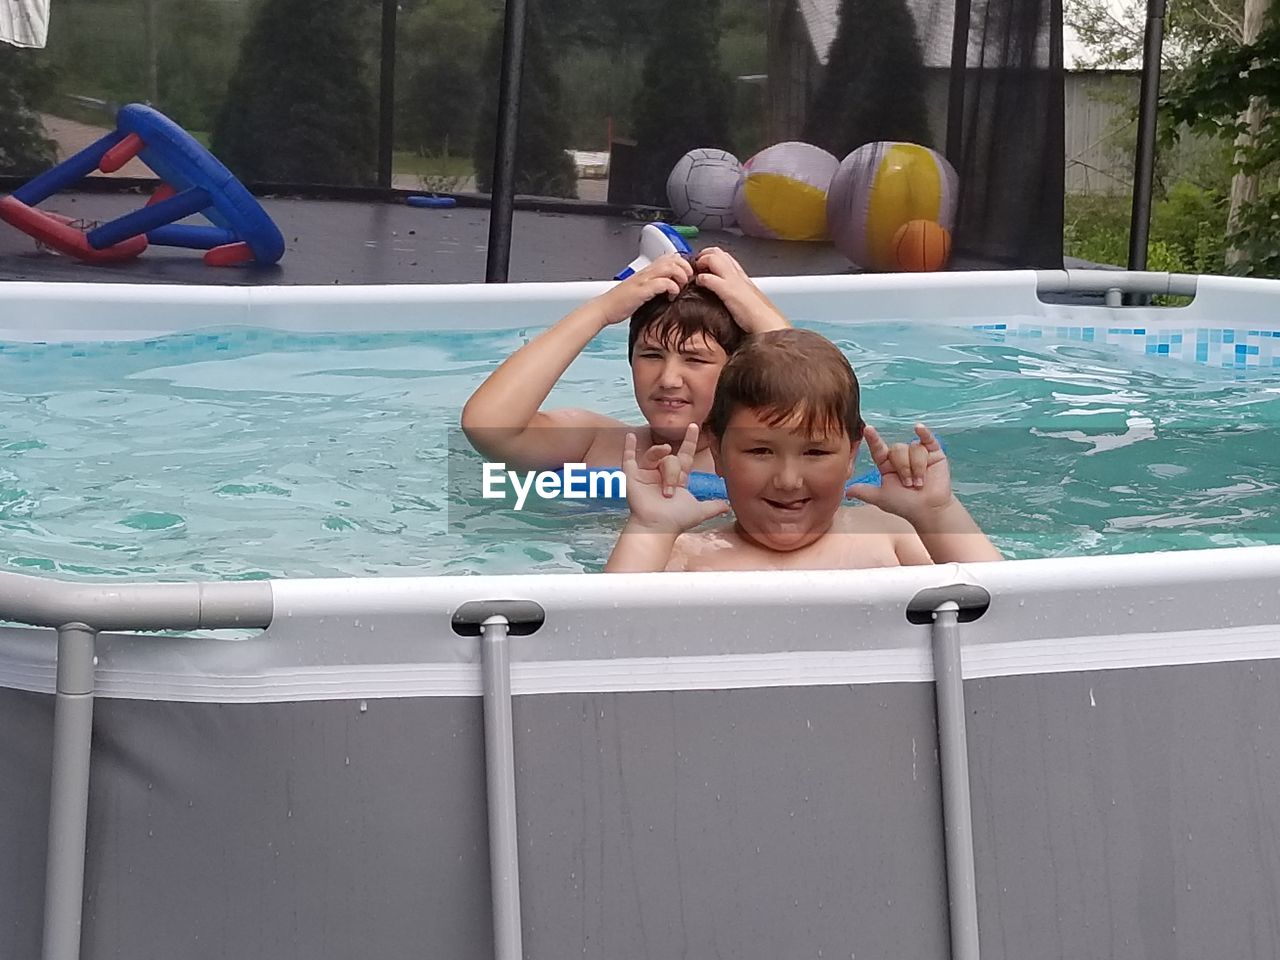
{"x": 1244, "y": 186}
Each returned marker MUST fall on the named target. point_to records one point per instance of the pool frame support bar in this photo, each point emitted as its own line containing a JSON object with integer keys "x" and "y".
{"x": 500, "y": 778}
{"x": 495, "y": 622}
{"x": 944, "y": 609}
{"x": 953, "y": 756}
{"x": 79, "y": 611}
{"x": 69, "y": 792}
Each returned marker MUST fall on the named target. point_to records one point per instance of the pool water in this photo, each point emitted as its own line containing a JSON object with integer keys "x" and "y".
{"x": 253, "y": 453}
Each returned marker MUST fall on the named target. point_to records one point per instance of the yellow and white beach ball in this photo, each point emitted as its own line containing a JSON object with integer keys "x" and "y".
{"x": 783, "y": 194}
{"x": 879, "y": 188}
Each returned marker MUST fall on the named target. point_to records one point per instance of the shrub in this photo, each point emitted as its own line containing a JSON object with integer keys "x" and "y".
{"x": 24, "y": 79}
{"x": 542, "y": 166}
{"x": 299, "y": 108}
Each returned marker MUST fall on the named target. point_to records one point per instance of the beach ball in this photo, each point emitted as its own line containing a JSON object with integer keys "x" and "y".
{"x": 879, "y": 188}
{"x": 921, "y": 246}
{"x": 701, "y": 186}
{"x": 783, "y": 193}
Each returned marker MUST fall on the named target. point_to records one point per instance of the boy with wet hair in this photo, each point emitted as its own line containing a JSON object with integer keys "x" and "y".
{"x": 785, "y": 427}
{"x": 687, "y": 318}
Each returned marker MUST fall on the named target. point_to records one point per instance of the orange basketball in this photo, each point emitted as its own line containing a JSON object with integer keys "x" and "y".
{"x": 921, "y": 246}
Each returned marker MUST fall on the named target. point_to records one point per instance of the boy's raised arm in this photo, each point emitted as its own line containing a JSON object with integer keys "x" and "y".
{"x": 661, "y": 505}
{"x": 502, "y": 419}
{"x": 750, "y": 308}
{"x": 951, "y": 535}
{"x": 915, "y": 484}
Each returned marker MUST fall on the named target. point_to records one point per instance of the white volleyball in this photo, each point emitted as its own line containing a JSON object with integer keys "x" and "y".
{"x": 701, "y": 187}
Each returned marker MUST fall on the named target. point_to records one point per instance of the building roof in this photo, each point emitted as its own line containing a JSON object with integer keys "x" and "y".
{"x": 933, "y": 28}
{"x": 821, "y": 18}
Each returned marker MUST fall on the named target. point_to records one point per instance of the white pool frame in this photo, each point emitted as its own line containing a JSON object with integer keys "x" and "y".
{"x": 595, "y": 642}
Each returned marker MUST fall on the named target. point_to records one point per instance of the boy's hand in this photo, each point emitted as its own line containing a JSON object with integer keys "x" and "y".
{"x": 658, "y": 486}
{"x": 915, "y": 478}
{"x": 720, "y": 273}
{"x": 668, "y": 275}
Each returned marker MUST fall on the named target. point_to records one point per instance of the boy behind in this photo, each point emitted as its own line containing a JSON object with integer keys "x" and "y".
{"x": 785, "y": 426}
{"x": 686, "y": 319}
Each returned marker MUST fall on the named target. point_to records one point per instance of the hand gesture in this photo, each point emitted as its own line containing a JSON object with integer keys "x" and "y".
{"x": 720, "y": 273}
{"x": 658, "y": 486}
{"x": 915, "y": 478}
{"x": 667, "y": 275}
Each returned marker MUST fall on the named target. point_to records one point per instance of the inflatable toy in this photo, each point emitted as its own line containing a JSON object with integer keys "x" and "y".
{"x": 656, "y": 239}
{"x": 783, "y": 192}
{"x": 701, "y": 187}
{"x": 921, "y": 246}
{"x": 879, "y": 188}
{"x": 432, "y": 202}
{"x": 703, "y": 486}
{"x": 193, "y": 182}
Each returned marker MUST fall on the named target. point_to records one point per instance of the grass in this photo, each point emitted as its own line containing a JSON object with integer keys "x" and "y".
{"x": 443, "y": 172}
{"x": 1188, "y": 228}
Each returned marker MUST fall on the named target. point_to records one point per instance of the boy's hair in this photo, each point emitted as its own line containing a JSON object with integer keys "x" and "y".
{"x": 788, "y": 376}
{"x": 673, "y": 323}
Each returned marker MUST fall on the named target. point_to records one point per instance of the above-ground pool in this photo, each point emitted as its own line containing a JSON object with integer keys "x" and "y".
{"x": 1066, "y": 756}
{"x": 245, "y": 450}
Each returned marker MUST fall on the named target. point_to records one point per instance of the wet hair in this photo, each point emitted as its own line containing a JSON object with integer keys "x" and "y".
{"x": 673, "y": 323}
{"x": 790, "y": 377}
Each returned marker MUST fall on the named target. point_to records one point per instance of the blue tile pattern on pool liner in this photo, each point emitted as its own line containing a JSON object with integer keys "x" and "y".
{"x": 1229, "y": 347}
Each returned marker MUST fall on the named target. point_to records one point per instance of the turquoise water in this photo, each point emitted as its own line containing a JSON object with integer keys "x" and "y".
{"x": 245, "y": 454}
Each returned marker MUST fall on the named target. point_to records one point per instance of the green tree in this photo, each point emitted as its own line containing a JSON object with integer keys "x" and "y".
{"x": 299, "y": 107}
{"x": 1196, "y": 32}
{"x": 196, "y": 58}
{"x": 1110, "y": 32}
{"x": 873, "y": 85}
{"x": 685, "y": 96}
{"x": 1230, "y": 93}
{"x": 24, "y": 81}
{"x": 440, "y": 49}
{"x": 543, "y": 168}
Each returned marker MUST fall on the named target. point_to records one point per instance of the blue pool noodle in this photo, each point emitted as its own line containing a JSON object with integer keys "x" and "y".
{"x": 703, "y": 486}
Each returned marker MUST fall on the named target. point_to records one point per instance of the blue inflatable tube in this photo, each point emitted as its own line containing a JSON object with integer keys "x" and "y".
{"x": 600, "y": 484}
{"x": 436, "y": 202}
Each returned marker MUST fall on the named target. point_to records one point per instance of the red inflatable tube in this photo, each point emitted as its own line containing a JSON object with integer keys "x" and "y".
{"x": 55, "y": 231}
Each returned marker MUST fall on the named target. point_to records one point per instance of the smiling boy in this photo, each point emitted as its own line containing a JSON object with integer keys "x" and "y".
{"x": 785, "y": 427}
{"x": 686, "y": 320}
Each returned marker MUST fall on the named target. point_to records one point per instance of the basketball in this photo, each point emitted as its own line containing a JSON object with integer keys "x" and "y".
{"x": 921, "y": 246}
{"x": 881, "y": 186}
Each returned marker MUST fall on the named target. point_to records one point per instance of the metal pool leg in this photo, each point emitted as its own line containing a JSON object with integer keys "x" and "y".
{"x": 500, "y": 776}
{"x": 945, "y": 608}
{"x": 495, "y": 622}
{"x": 69, "y": 793}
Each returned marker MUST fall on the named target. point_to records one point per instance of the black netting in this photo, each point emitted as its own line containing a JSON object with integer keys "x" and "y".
{"x": 615, "y": 91}
{"x": 1011, "y": 136}
{"x": 842, "y": 73}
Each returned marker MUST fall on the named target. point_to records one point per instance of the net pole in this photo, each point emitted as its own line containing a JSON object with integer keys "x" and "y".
{"x": 502, "y": 205}
{"x": 1145, "y": 157}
